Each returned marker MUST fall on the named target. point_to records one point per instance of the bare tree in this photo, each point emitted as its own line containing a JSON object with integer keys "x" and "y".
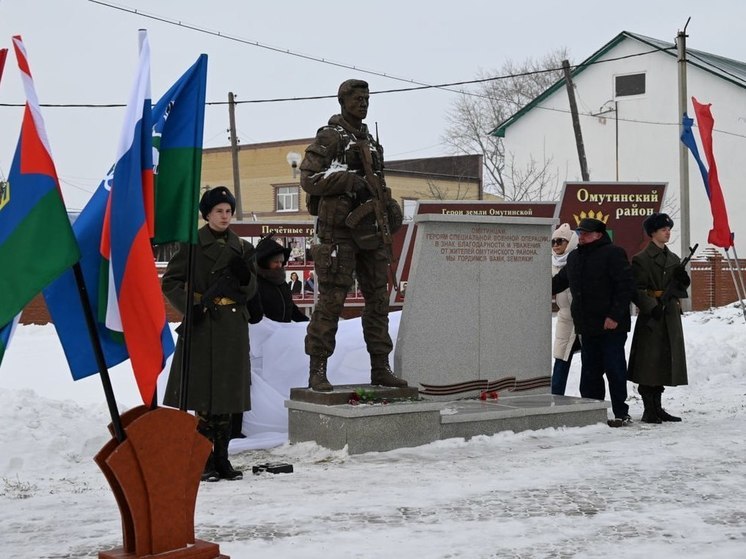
{"x": 474, "y": 115}
{"x": 438, "y": 192}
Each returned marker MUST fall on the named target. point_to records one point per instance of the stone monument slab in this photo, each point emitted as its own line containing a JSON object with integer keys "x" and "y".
{"x": 477, "y": 313}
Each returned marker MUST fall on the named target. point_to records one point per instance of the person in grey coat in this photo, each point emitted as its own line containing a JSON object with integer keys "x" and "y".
{"x": 220, "y": 373}
{"x": 657, "y": 357}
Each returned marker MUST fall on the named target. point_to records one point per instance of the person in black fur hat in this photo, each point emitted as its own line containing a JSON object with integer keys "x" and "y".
{"x": 215, "y": 196}
{"x": 657, "y": 357}
{"x": 655, "y": 222}
{"x": 273, "y": 298}
{"x": 223, "y": 283}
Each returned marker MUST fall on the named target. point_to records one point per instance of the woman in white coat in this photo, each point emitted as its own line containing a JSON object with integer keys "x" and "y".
{"x": 564, "y": 240}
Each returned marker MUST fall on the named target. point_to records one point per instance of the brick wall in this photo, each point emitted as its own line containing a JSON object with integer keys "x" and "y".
{"x": 712, "y": 281}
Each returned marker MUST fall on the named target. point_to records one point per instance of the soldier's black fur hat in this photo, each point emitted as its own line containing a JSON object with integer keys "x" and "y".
{"x": 591, "y": 225}
{"x": 346, "y": 87}
{"x": 266, "y": 248}
{"x": 215, "y": 196}
{"x": 656, "y": 221}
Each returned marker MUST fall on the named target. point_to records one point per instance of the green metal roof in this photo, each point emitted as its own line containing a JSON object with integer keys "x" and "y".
{"x": 730, "y": 70}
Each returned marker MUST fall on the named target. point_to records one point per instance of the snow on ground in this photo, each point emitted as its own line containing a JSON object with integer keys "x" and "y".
{"x": 671, "y": 490}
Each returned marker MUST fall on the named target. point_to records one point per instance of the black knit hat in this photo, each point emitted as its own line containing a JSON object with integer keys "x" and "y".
{"x": 656, "y": 221}
{"x": 266, "y": 248}
{"x": 591, "y": 225}
{"x": 215, "y": 196}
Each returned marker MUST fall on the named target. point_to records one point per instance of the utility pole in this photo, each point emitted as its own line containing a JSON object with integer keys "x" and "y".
{"x": 575, "y": 121}
{"x": 234, "y": 156}
{"x": 683, "y": 153}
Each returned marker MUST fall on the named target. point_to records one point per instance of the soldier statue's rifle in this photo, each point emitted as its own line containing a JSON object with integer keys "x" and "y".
{"x": 673, "y": 286}
{"x": 379, "y": 201}
{"x": 376, "y": 189}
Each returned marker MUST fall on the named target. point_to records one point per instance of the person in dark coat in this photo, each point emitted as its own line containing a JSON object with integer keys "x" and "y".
{"x": 657, "y": 357}
{"x": 220, "y": 374}
{"x": 273, "y": 294}
{"x": 295, "y": 285}
{"x": 600, "y": 280}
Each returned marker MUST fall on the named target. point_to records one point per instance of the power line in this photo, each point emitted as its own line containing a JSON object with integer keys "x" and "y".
{"x": 252, "y": 43}
{"x": 381, "y": 92}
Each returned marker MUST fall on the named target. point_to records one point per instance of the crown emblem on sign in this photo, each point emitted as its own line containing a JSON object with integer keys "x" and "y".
{"x": 4, "y": 193}
{"x": 599, "y": 215}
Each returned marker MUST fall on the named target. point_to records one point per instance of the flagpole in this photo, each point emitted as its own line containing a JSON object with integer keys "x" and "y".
{"x": 683, "y": 156}
{"x": 186, "y": 353}
{"x": 103, "y": 370}
{"x": 735, "y": 270}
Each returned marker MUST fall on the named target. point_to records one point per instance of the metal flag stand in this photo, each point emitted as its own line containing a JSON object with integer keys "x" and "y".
{"x": 736, "y": 272}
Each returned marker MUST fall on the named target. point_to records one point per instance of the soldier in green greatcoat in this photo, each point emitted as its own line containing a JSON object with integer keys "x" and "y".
{"x": 220, "y": 373}
{"x": 657, "y": 357}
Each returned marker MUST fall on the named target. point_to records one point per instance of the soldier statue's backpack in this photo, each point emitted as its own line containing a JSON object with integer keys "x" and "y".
{"x": 312, "y": 204}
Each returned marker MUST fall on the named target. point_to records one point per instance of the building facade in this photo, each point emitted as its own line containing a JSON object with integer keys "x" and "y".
{"x": 269, "y": 179}
{"x": 627, "y": 98}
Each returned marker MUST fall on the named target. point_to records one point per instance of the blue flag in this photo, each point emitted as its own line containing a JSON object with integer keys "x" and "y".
{"x": 63, "y": 300}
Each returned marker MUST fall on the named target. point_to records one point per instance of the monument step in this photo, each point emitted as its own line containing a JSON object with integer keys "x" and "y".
{"x": 363, "y": 428}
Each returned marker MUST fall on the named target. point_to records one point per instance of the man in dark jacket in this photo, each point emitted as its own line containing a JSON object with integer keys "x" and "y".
{"x": 657, "y": 357}
{"x": 600, "y": 279}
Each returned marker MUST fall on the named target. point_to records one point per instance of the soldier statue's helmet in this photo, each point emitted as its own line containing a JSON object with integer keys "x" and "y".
{"x": 348, "y": 86}
{"x": 656, "y": 221}
{"x": 215, "y": 196}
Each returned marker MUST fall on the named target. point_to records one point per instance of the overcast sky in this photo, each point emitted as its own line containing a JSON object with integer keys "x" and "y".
{"x": 81, "y": 51}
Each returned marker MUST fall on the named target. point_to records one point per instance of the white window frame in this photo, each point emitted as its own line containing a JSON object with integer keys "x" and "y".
{"x": 287, "y": 193}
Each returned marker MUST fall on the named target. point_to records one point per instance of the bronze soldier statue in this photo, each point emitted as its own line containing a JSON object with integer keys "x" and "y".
{"x": 342, "y": 174}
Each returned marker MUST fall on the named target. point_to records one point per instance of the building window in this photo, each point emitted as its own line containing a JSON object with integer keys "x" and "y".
{"x": 630, "y": 84}
{"x": 287, "y": 198}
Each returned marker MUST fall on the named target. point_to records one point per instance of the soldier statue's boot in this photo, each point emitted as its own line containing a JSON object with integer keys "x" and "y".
{"x": 209, "y": 473}
{"x": 650, "y": 413}
{"x": 381, "y": 373}
{"x": 222, "y": 465}
{"x": 317, "y": 375}
{"x": 663, "y": 414}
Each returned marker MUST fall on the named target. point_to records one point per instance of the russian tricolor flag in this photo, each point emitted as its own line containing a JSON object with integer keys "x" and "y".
{"x": 720, "y": 235}
{"x": 135, "y": 304}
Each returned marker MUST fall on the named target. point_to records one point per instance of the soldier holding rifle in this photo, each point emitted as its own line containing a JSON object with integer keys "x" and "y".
{"x": 657, "y": 356}
{"x": 342, "y": 175}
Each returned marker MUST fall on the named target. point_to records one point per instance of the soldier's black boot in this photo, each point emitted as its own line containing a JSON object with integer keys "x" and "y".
{"x": 205, "y": 429}
{"x": 381, "y": 373}
{"x": 649, "y": 414}
{"x": 222, "y": 465}
{"x": 317, "y": 375}
{"x": 237, "y": 426}
{"x": 663, "y": 414}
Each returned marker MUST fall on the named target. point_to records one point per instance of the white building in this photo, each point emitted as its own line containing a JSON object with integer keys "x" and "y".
{"x": 627, "y": 98}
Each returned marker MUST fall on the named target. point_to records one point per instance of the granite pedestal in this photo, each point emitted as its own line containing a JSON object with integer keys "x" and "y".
{"x": 381, "y": 427}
